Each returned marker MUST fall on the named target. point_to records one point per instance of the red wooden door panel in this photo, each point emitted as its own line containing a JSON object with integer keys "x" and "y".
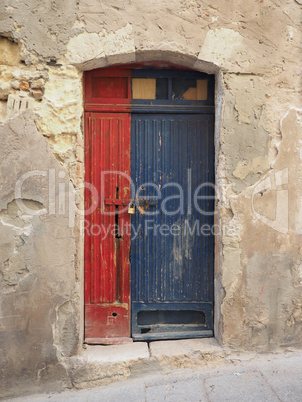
{"x": 107, "y": 245}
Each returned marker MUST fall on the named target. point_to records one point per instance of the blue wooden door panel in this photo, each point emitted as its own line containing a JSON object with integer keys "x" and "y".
{"x": 172, "y": 252}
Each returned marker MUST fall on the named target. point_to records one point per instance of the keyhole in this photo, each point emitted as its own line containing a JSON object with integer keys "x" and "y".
{"x": 114, "y": 314}
{"x": 117, "y": 229}
{"x": 116, "y": 223}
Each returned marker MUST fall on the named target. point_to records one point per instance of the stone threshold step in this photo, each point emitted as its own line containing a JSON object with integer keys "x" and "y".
{"x": 101, "y": 365}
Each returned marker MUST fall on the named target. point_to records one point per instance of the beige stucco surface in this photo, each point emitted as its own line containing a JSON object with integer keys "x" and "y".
{"x": 253, "y": 48}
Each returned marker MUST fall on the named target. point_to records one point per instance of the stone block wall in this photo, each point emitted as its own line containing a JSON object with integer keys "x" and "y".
{"x": 253, "y": 49}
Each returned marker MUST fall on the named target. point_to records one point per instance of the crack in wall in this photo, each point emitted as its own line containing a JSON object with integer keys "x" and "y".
{"x": 14, "y": 269}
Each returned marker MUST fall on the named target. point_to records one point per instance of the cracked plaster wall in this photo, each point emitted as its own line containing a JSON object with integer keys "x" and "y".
{"x": 37, "y": 262}
{"x": 253, "y": 48}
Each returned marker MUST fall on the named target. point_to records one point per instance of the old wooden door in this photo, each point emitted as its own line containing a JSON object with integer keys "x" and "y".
{"x": 107, "y": 195}
{"x": 170, "y": 180}
{"x": 172, "y": 249}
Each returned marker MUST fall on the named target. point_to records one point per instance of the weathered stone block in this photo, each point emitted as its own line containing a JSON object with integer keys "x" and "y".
{"x": 9, "y": 52}
{"x": 17, "y": 104}
{"x": 187, "y": 353}
{"x": 37, "y": 94}
{"x": 5, "y": 90}
{"x": 24, "y": 85}
{"x": 101, "y": 365}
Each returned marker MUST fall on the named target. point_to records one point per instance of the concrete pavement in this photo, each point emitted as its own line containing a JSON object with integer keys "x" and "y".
{"x": 240, "y": 377}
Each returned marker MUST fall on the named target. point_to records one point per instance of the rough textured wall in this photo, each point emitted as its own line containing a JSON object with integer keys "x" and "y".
{"x": 253, "y": 47}
{"x": 43, "y": 26}
{"x": 37, "y": 275}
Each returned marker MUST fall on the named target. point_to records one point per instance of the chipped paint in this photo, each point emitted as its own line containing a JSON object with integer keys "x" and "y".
{"x": 253, "y": 48}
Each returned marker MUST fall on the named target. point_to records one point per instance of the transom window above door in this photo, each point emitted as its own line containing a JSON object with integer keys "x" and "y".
{"x": 170, "y": 88}
{"x": 188, "y": 91}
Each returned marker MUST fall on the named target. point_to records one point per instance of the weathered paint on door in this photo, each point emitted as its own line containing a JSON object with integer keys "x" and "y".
{"x": 107, "y": 247}
{"x": 172, "y": 254}
{"x": 172, "y": 141}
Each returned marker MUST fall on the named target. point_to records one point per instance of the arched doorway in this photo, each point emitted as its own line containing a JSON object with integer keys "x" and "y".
{"x": 149, "y": 241}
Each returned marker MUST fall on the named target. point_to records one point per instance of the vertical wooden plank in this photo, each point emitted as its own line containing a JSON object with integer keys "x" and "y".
{"x": 125, "y": 218}
{"x": 95, "y": 222}
{"x": 87, "y": 203}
